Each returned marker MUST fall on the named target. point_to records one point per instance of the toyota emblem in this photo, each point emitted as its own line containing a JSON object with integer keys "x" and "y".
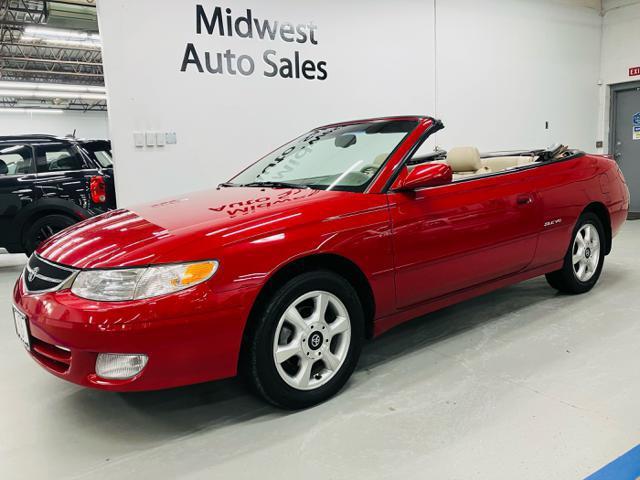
{"x": 33, "y": 273}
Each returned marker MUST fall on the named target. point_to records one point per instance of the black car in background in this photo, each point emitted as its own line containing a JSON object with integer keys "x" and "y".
{"x": 48, "y": 183}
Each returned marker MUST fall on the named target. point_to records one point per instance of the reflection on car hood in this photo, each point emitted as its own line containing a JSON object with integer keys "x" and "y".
{"x": 162, "y": 232}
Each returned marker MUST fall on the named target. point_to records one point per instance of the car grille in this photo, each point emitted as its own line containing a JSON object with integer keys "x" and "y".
{"x": 42, "y": 276}
{"x": 52, "y": 356}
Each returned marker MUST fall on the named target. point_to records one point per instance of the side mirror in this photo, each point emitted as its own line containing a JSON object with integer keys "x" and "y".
{"x": 422, "y": 176}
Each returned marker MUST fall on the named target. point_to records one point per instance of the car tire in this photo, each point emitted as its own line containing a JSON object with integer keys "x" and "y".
{"x": 584, "y": 258}
{"x": 43, "y": 228}
{"x": 285, "y": 363}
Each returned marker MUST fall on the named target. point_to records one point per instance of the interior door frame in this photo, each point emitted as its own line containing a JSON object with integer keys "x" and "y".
{"x": 615, "y": 90}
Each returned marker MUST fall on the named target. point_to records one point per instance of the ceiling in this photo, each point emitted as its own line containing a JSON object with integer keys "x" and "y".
{"x": 50, "y": 42}
{"x": 611, "y": 4}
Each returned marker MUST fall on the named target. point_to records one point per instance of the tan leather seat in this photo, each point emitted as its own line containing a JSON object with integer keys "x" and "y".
{"x": 497, "y": 164}
{"x": 375, "y": 165}
{"x": 379, "y": 160}
{"x": 465, "y": 161}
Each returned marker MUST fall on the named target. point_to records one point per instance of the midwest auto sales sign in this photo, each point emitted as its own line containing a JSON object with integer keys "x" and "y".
{"x": 246, "y": 25}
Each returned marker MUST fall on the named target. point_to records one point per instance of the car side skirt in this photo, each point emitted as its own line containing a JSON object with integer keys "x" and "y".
{"x": 384, "y": 324}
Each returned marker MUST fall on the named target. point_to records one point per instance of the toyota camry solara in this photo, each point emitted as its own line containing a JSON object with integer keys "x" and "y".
{"x": 282, "y": 272}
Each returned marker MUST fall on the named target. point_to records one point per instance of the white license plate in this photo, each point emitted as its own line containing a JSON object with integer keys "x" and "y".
{"x": 20, "y": 321}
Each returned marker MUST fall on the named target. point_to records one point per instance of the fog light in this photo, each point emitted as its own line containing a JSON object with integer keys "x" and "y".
{"x": 119, "y": 366}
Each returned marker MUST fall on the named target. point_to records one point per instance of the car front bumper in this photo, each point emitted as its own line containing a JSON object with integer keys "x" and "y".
{"x": 190, "y": 337}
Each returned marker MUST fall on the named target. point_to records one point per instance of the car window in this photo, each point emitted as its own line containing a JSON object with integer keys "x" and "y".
{"x": 103, "y": 157}
{"x": 99, "y": 151}
{"x": 342, "y": 157}
{"x": 15, "y": 160}
{"x": 57, "y": 157}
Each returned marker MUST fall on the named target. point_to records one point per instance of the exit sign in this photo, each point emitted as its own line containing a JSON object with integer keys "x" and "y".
{"x": 634, "y": 71}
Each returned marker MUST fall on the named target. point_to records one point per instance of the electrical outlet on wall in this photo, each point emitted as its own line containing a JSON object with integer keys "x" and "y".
{"x": 171, "y": 138}
{"x": 138, "y": 139}
{"x": 154, "y": 139}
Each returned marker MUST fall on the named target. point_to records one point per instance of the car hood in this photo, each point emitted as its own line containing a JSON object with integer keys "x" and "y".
{"x": 169, "y": 231}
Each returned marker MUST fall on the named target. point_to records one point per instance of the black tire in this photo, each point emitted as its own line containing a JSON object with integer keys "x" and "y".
{"x": 260, "y": 365}
{"x": 43, "y": 228}
{"x": 566, "y": 279}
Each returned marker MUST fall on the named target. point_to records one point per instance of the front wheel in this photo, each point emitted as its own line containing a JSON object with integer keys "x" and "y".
{"x": 584, "y": 258}
{"x": 307, "y": 340}
{"x": 43, "y": 228}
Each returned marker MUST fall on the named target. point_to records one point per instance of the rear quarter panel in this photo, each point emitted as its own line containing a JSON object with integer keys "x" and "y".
{"x": 566, "y": 188}
{"x": 65, "y": 192}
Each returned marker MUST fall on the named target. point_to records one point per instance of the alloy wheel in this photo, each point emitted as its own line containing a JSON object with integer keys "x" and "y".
{"x": 47, "y": 231}
{"x": 312, "y": 340}
{"x": 586, "y": 252}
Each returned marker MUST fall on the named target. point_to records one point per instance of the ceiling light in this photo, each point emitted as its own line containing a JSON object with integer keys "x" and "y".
{"x": 50, "y": 94}
{"x": 58, "y": 87}
{"x": 61, "y": 37}
{"x": 50, "y": 33}
{"x": 62, "y": 42}
{"x": 31, "y": 110}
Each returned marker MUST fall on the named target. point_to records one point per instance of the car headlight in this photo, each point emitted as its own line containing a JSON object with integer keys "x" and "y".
{"x": 139, "y": 283}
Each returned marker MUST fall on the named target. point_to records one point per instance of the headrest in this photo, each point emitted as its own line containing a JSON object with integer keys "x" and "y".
{"x": 379, "y": 160}
{"x": 464, "y": 159}
{"x": 4, "y": 170}
{"x": 65, "y": 163}
{"x": 23, "y": 167}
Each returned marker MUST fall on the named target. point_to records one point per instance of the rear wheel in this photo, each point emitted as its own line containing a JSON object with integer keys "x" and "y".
{"x": 43, "y": 228}
{"x": 584, "y": 258}
{"x": 307, "y": 340}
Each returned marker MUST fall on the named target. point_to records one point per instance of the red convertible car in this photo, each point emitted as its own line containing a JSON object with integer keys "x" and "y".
{"x": 282, "y": 272}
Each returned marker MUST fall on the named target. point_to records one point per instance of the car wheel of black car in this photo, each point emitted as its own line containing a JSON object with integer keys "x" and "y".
{"x": 307, "y": 340}
{"x": 43, "y": 228}
{"x": 584, "y": 259}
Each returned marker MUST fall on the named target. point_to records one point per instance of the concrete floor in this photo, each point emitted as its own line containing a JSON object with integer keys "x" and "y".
{"x": 521, "y": 383}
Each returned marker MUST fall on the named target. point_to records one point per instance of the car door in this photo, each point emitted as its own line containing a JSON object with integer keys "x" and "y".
{"x": 17, "y": 178}
{"x": 62, "y": 173}
{"x": 465, "y": 233}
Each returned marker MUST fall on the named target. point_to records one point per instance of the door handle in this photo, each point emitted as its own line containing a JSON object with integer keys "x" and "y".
{"x": 524, "y": 199}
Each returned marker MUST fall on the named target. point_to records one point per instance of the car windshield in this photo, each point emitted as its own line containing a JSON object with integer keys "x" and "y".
{"x": 342, "y": 157}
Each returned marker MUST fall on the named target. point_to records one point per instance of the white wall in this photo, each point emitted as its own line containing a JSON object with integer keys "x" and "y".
{"x": 620, "y": 40}
{"x": 506, "y": 67}
{"x": 87, "y": 125}
{"x": 500, "y": 70}
{"x": 621, "y": 37}
{"x": 379, "y": 60}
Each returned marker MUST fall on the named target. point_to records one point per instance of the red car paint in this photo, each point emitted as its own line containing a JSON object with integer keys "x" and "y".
{"x": 418, "y": 251}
